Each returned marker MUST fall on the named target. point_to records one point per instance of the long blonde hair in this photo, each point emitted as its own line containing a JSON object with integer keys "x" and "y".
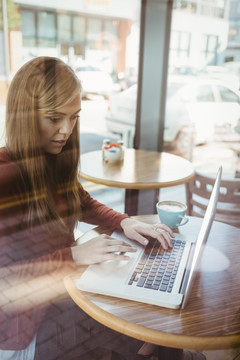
{"x": 41, "y": 85}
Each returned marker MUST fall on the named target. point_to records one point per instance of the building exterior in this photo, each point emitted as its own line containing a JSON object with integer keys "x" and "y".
{"x": 100, "y": 31}
{"x": 106, "y": 33}
{"x": 95, "y": 31}
{"x": 232, "y": 52}
{"x": 199, "y": 32}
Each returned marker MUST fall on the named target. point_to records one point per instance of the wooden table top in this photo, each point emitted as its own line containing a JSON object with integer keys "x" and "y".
{"x": 140, "y": 169}
{"x": 211, "y": 319}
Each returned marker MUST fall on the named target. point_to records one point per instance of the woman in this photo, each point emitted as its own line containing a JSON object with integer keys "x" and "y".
{"x": 41, "y": 201}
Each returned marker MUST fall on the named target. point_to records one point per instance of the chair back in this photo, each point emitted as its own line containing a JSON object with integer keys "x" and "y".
{"x": 198, "y": 192}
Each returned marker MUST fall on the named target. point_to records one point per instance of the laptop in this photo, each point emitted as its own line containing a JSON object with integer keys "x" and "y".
{"x": 152, "y": 275}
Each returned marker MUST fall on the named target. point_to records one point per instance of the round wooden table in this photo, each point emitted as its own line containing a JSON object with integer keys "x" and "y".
{"x": 139, "y": 170}
{"x": 211, "y": 319}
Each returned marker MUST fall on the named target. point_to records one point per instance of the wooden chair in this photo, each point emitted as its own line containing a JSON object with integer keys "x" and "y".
{"x": 198, "y": 192}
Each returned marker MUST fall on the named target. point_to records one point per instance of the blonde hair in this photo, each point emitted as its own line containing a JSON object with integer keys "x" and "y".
{"x": 41, "y": 85}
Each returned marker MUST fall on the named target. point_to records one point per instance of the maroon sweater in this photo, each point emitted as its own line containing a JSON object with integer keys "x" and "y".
{"x": 32, "y": 261}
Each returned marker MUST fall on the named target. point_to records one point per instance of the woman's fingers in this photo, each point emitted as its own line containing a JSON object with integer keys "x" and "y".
{"x": 160, "y": 233}
{"x": 163, "y": 234}
{"x": 139, "y": 231}
{"x": 100, "y": 249}
{"x": 116, "y": 250}
{"x": 160, "y": 227}
{"x": 119, "y": 246}
{"x": 116, "y": 256}
{"x": 162, "y": 238}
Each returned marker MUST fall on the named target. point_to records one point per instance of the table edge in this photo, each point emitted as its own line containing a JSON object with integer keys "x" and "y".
{"x": 136, "y": 185}
{"x": 145, "y": 334}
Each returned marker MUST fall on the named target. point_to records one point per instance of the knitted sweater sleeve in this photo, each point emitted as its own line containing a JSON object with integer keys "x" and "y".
{"x": 96, "y": 213}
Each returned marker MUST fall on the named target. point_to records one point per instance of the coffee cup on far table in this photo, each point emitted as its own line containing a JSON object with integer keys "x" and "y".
{"x": 172, "y": 213}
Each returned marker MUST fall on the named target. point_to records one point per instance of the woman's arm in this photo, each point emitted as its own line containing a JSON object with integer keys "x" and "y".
{"x": 96, "y": 213}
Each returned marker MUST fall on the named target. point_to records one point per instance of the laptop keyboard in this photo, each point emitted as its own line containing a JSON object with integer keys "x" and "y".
{"x": 157, "y": 268}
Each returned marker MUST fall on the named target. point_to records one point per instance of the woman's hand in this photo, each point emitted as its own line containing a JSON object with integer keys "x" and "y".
{"x": 139, "y": 231}
{"x": 100, "y": 248}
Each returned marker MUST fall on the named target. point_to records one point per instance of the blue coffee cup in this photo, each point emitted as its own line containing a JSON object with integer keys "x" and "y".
{"x": 172, "y": 213}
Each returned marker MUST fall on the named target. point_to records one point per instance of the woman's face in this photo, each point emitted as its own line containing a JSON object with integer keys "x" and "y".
{"x": 57, "y": 126}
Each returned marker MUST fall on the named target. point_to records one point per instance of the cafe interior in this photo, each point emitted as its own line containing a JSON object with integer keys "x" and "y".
{"x": 150, "y": 49}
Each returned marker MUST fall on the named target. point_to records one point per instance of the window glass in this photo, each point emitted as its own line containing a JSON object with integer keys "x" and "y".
{"x": 204, "y": 94}
{"x": 209, "y": 45}
{"x": 94, "y": 28}
{"x": 179, "y": 47}
{"x": 79, "y": 25}
{"x": 64, "y": 27}
{"x": 111, "y": 27}
{"x": 227, "y": 95}
{"x": 28, "y": 28}
{"x": 46, "y": 29}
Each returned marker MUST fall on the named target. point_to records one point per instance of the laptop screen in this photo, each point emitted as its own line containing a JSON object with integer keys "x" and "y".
{"x": 203, "y": 236}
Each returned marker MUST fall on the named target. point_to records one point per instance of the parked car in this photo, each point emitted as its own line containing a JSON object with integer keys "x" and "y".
{"x": 221, "y": 73}
{"x": 94, "y": 80}
{"x": 194, "y": 110}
